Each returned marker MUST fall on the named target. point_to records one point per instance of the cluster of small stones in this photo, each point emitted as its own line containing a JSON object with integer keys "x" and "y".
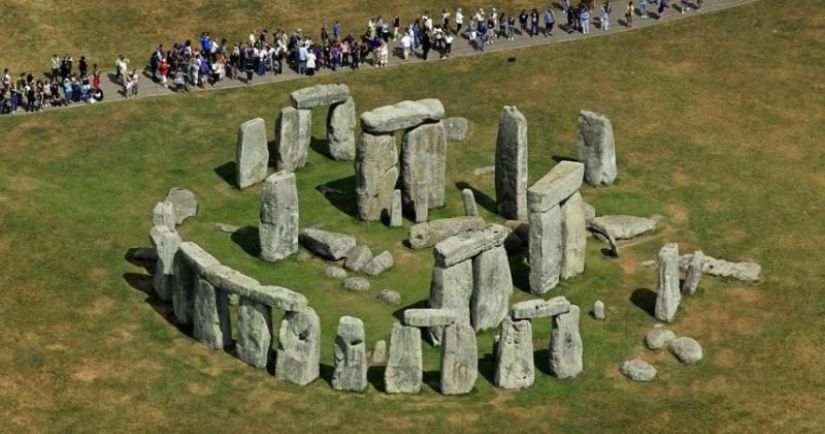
{"x": 336, "y": 246}
{"x": 685, "y": 349}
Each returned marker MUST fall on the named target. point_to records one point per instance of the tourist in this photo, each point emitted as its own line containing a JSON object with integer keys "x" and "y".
{"x": 662, "y": 4}
{"x": 534, "y": 23}
{"x": 95, "y": 77}
{"x": 249, "y": 64}
{"x": 55, "y": 64}
{"x": 511, "y": 27}
{"x": 549, "y": 21}
{"x": 121, "y": 66}
{"x": 685, "y": 6}
{"x": 302, "y": 59}
{"x": 459, "y": 21}
{"x": 628, "y": 13}
{"x": 565, "y": 7}
{"x": 522, "y": 20}
{"x": 584, "y": 19}
{"x": 448, "y": 44}
{"x": 482, "y": 33}
{"x": 311, "y": 62}
{"x": 605, "y": 19}
{"x": 425, "y": 45}
{"x": 406, "y": 45}
{"x": 396, "y": 24}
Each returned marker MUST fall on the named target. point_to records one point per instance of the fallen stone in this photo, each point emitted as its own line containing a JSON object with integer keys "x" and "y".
{"x": 638, "y": 370}
{"x": 596, "y": 147}
{"x": 335, "y": 272}
{"x": 357, "y": 258}
{"x": 357, "y": 284}
{"x": 164, "y": 215}
{"x": 379, "y": 264}
{"x": 350, "y": 353}
{"x": 457, "y": 129}
{"x": 319, "y": 95}
{"x": 694, "y": 273}
{"x": 470, "y": 207}
{"x": 492, "y": 287}
{"x": 401, "y": 116}
{"x": 659, "y": 338}
{"x": 341, "y": 130}
{"x": 299, "y": 347}
{"x": 292, "y": 137}
{"x": 328, "y": 245}
{"x": 487, "y": 170}
{"x": 603, "y": 234}
{"x": 469, "y": 244}
{"x": 423, "y": 165}
{"x": 166, "y": 243}
{"x": 212, "y": 326}
{"x": 254, "y": 332}
{"x": 252, "y": 154}
{"x": 511, "y": 164}
{"x": 451, "y": 288}
{"x": 428, "y": 234}
{"x": 389, "y": 296}
{"x": 545, "y": 250}
{"x": 515, "y": 368}
{"x": 573, "y": 237}
{"x": 226, "y": 228}
{"x": 687, "y": 350}
{"x": 589, "y": 211}
{"x": 538, "y": 308}
{"x": 379, "y": 353}
{"x": 376, "y": 174}
{"x": 623, "y": 227}
{"x": 556, "y": 186}
{"x": 184, "y": 203}
{"x": 397, "y": 210}
{"x": 669, "y": 295}
{"x": 566, "y": 345}
{"x": 598, "y": 310}
{"x": 404, "y": 373}
{"x": 744, "y": 271}
{"x": 278, "y": 229}
{"x": 459, "y": 359}
{"x": 429, "y": 317}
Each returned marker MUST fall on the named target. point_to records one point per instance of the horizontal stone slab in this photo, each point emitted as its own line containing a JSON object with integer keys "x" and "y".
{"x": 235, "y": 282}
{"x": 428, "y": 234}
{"x": 429, "y": 317}
{"x": 197, "y": 258}
{"x": 467, "y": 245}
{"x": 538, "y": 308}
{"x": 401, "y": 116}
{"x": 319, "y": 95}
{"x": 556, "y": 186}
{"x": 329, "y": 245}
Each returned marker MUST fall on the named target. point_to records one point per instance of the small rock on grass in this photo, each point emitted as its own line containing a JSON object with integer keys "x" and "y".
{"x": 598, "y": 310}
{"x": 389, "y": 296}
{"x": 638, "y": 370}
{"x": 687, "y": 350}
{"x": 357, "y": 284}
{"x": 336, "y": 273}
{"x": 658, "y": 338}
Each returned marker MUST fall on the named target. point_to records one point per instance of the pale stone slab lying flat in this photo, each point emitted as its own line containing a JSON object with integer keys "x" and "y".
{"x": 538, "y": 308}
{"x": 561, "y": 182}
{"x": 429, "y": 317}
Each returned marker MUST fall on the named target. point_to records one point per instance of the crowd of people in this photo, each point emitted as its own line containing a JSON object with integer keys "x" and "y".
{"x": 207, "y": 61}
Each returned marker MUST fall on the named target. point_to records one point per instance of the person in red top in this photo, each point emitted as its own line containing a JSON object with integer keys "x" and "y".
{"x": 95, "y": 77}
{"x": 164, "y": 71}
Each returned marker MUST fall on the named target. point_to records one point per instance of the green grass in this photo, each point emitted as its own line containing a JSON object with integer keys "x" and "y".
{"x": 718, "y": 124}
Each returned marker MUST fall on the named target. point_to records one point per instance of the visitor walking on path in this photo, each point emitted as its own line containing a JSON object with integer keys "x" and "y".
{"x": 584, "y": 18}
{"x": 605, "y": 20}
{"x": 549, "y": 21}
{"x": 628, "y": 13}
{"x": 661, "y": 9}
{"x": 642, "y": 9}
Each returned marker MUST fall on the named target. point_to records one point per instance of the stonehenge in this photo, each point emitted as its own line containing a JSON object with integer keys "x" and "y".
{"x": 514, "y": 355}
{"x": 694, "y": 273}
{"x": 278, "y": 229}
{"x": 252, "y": 154}
{"x": 254, "y": 332}
{"x": 164, "y": 215}
{"x": 326, "y": 244}
{"x": 566, "y": 344}
{"x": 459, "y": 359}
{"x": 350, "y": 352}
{"x": 596, "y": 148}
{"x": 376, "y": 173}
{"x": 166, "y": 242}
{"x": 511, "y": 164}
{"x": 184, "y": 203}
{"x": 470, "y": 207}
{"x": 423, "y": 165}
{"x": 293, "y": 133}
{"x": 428, "y": 234}
{"x": 404, "y": 373}
{"x": 669, "y": 295}
{"x": 299, "y": 347}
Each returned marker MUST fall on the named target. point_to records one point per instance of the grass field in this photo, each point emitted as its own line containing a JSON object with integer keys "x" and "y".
{"x": 719, "y": 128}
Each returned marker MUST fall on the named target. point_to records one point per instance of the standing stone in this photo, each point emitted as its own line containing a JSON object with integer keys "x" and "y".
{"x": 357, "y": 258}
{"x": 211, "y": 316}
{"x": 459, "y": 359}
{"x": 183, "y": 290}
{"x": 166, "y": 243}
{"x": 694, "y": 273}
{"x": 404, "y": 373}
{"x": 164, "y": 215}
{"x": 252, "y": 153}
{"x": 350, "y": 356}
{"x": 566, "y": 344}
{"x": 341, "y": 130}
{"x": 545, "y": 250}
{"x": 573, "y": 237}
{"x": 451, "y": 288}
{"x": 515, "y": 368}
{"x": 278, "y": 230}
{"x": 184, "y": 203}
{"x": 379, "y": 353}
{"x": 457, "y": 129}
{"x": 598, "y": 310}
{"x": 379, "y": 264}
{"x": 669, "y": 296}
{"x": 254, "y": 332}
{"x": 492, "y": 287}
{"x": 299, "y": 347}
{"x": 511, "y": 164}
{"x": 292, "y": 137}
{"x": 423, "y": 165}
{"x": 596, "y": 148}
{"x": 397, "y": 211}
{"x": 470, "y": 207}
{"x": 376, "y": 173}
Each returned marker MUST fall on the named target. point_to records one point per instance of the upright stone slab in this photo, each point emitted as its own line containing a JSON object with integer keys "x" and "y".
{"x": 669, "y": 295}
{"x": 694, "y": 273}
{"x": 470, "y": 207}
{"x": 515, "y": 368}
{"x": 166, "y": 243}
{"x": 254, "y": 332}
{"x": 252, "y": 154}
{"x": 423, "y": 165}
{"x": 164, "y": 215}
{"x": 566, "y": 344}
{"x": 376, "y": 173}
{"x": 545, "y": 249}
{"x": 299, "y": 347}
{"x": 341, "y": 130}
{"x": 596, "y": 148}
{"x": 459, "y": 359}
{"x": 211, "y": 316}
{"x": 404, "y": 373}
{"x": 292, "y": 137}
{"x": 573, "y": 237}
{"x": 397, "y": 212}
{"x": 511, "y": 164}
{"x": 278, "y": 229}
{"x": 451, "y": 288}
{"x": 350, "y": 356}
{"x": 492, "y": 287}
{"x": 183, "y": 290}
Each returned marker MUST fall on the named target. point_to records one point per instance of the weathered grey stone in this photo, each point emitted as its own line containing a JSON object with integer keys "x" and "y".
{"x": 184, "y": 203}
{"x": 226, "y": 228}
{"x": 469, "y": 244}
{"x": 659, "y": 338}
{"x": 254, "y": 332}
{"x": 428, "y": 234}
{"x": 603, "y": 234}
{"x": 357, "y": 284}
{"x": 184, "y": 279}
{"x": 319, "y": 95}
{"x": 596, "y": 148}
{"x": 376, "y": 173}
{"x": 566, "y": 344}
{"x": 459, "y": 359}
{"x": 687, "y": 350}
{"x": 326, "y": 244}
{"x": 341, "y": 130}
{"x": 236, "y": 282}
{"x": 538, "y": 308}
{"x": 166, "y": 243}
{"x": 389, "y": 296}
{"x": 397, "y": 210}
{"x": 623, "y": 227}
{"x": 598, "y": 310}
{"x": 429, "y": 317}
{"x": 164, "y": 215}
{"x": 556, "y": 186}
{"x": 545, "y": 250}
{"x": 573, "y": 237}
{"x": 379, "y": 264}
{"x": 357, "y": 258}
{"x": 278, "y": 229}
{"x": 694, "y": 273}
{"x": 234, "y": 299}
{"x": 299, "y": 347}
{"x": 515, "y": 368}
{"x": 451, "y": 288}
{"x": 292, "y": 137}
{"x": 404, "y": 373}
{"x": 197, "y": 258}
{"x": 350, "y": 352}
{"x": 423, "y": 165}
{"x": 379, "y": 352}
{"x": 457, "y": 129}
{"x": 252, "y": 156}
{"x": 638, "y": 370}
{"x": 212, "y": 326}
{"x": 486, "y": 170}
{"x": 470, "y": 207}
{"x": 589, "y": 211}
{"x": 511, "y": 164}
{"x": 403, "y": 115}
{"x": 744, "y": 271}
{"x": 492, "y": 287}
{"x": 669, "y": 296}
{"x": 335, "y": 272}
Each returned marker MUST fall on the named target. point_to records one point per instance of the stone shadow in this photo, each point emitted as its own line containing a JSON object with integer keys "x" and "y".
{"x": 321, "y": 147}
{"x": 399, "y": 313}
{"x": 327, "y": 372}
{"x": 644, "y": 299}
{"x": 432, "y": 379}
{"x": 139, "y": 257}
{"x": 482, "y": 199}
{"x": 375, "y": 376}
{"x": 541, "y": 360}
{"x": 560, "y": 158}
{"x": 487, "y": 367}
{"x": 345, "y": 201}
{"x": 143, "y": 283}
{"x": 248, "y": 238}
{"x": 228, "y": 172}
{"x": 520, "y": 271}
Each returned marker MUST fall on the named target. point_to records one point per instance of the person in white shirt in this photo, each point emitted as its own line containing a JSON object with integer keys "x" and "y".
{"x": 459, "y": 21}
{"x": 406, "y": 44}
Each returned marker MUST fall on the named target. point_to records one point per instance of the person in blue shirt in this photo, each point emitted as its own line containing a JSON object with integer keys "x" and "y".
{"x": 336, "y": 30}
{"x": 584, "y": 19}
{"x": 549, "y": 20}
{"x": 482, "y": 33}
{"x": 302, "y": 59}
{"x": 643, "y": 8}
